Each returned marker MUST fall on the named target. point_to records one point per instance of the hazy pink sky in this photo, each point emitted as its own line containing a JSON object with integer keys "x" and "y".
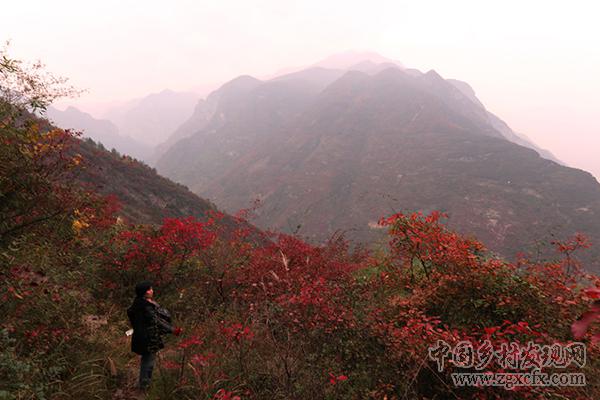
{"x": 535, "y": 64}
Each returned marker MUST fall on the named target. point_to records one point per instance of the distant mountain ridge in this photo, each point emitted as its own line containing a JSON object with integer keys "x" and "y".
{"x": 153, "y": 118}
{"x": 102, "y": 131}
{"x": 351, "y": 60}
{"x": 327, "y": 150}
{"x": 202, "y": 115}
{"x": 318, "y": 77}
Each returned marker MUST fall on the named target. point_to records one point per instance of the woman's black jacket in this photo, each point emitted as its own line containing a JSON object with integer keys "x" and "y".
{"x": 149, "y": 322}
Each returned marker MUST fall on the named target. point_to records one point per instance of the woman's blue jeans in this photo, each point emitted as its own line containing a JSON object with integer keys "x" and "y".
{"x": 146, "y": 367}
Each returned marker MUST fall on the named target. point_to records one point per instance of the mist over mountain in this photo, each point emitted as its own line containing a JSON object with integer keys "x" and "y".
{"x": 328, "y": 150}
{"x": 352, "y": 59}
{"x": 152, "y": 119}
{"x": 500, "y": 125}
{"x": 345, "y": 61}
{"x": 100, "y": 130}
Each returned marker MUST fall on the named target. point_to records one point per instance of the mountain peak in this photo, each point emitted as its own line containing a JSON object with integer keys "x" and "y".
{"x": 349, "y": 59}
{"x": 242, "y": 82}
{"x": 434, "y": 76}
{"x": 371, "y": 67}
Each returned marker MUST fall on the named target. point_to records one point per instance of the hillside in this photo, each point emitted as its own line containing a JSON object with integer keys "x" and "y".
{"x": 340, "y": 157}
{"x": 143, "y": 195}
{"x": 146, "y": 196}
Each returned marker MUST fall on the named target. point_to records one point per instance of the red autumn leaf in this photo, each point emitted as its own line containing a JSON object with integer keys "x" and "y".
{"x": 580, "y": 327}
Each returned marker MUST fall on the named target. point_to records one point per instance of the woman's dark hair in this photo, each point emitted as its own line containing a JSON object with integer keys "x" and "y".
{"x": 142, "y": 287}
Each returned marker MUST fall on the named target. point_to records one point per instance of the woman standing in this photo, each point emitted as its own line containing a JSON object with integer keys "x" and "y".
{"x": 149, "y": 322}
